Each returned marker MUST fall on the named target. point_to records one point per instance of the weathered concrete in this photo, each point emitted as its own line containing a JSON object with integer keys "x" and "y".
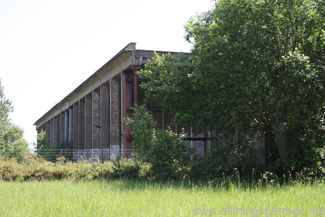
{"x": 51, "y": 132}
{"x": 96, "y": 118}
{"x": 66, "y": 126}
{"x": 55, "y": 133}
{"x": 48, "y": 131}
{"x": 88, "y": 122}
{"x": 81, "y": 123}
{"x": 58, "y": 130}
{"x": 62, "y": 122}
{"x": 75, "y": 126}
{"x": 71, "y": 124}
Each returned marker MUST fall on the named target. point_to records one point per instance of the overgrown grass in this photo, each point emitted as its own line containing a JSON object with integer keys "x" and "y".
{"x": 152, "y": 198}
{"x": 126, "y": 188}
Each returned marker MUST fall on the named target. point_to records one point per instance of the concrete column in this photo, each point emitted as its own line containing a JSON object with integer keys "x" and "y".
{"x": 48, "y": 131}
{"x": 58, "y": 130}
{"x": 88, "y": 122}
{"x": 55, "y": 133}
{"x": 104, "y": 116}
{"x": 62, "y": 126}
{"x": 70, "y": 125}
{"x": 45, "y": 129}
{"x": 51, "y": 132}
{"x": 96, "y": 118}
{"x": 75, "y": 125}
{"x": 115, "y": 112}
{"x": 66, "y": 126}
{"x": 81, "y": 125}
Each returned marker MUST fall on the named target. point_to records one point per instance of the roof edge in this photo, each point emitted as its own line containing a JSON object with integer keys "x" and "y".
{"x": 128, "y": 48}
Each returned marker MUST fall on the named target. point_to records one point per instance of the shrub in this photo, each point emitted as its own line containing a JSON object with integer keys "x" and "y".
{"x": 169, "y": 156}
{"x": 50, "y": 153}
{"x": 35, "y": 168}
{"x": 165, "y": 150}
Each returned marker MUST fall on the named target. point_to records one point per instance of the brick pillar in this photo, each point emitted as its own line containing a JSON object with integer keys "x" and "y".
{"x": 96, "y": 119}
{"x": 105, "y": 116}
{"x": 115, "y": 112}
{"x": 81, "y": 126}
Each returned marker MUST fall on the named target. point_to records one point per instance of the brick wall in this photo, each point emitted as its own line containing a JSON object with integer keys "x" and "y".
{"x": 115, "y": 112}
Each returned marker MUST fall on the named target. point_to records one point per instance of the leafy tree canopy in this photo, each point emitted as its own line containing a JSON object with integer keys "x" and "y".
{"x": 12, "y": 143}
{"x": 257, "y": 70}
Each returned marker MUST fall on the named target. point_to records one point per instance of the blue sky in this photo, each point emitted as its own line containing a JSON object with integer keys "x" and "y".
{"x": 47, "y": 48}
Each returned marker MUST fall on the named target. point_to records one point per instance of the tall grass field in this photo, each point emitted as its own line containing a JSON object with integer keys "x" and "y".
{"x": 152, "y": 198}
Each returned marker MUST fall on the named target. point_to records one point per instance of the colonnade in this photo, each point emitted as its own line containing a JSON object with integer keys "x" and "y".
{"x": 92, "y": 122}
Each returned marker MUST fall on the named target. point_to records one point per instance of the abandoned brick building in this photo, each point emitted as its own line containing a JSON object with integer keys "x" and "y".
{"x": 90, "y": 116}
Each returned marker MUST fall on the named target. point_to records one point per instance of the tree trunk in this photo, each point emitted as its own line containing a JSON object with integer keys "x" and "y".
{"x": 270, "y": 143}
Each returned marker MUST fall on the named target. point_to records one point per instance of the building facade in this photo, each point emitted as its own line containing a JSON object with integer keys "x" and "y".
{"x": 90, "y": 116}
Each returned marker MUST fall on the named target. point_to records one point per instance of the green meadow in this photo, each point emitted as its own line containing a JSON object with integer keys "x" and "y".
{"x": 123, "y": 197}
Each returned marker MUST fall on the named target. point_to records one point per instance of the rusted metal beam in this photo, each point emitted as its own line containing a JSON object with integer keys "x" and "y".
{"x": 127, "y": 111}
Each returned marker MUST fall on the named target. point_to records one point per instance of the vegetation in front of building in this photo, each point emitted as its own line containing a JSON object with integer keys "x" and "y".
{"x": 161, "y": 155}
{"x": 51, "y": 153}
{"x": 37, "y": 168}
{"x": 257, "y": 72}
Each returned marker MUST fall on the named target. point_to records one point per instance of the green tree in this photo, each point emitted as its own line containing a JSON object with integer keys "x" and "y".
{"x": 164, "y": 150}
{"x": 12, "y": 143}
{"x": 141, "y": 124}
{"x": 257, "y": 71}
